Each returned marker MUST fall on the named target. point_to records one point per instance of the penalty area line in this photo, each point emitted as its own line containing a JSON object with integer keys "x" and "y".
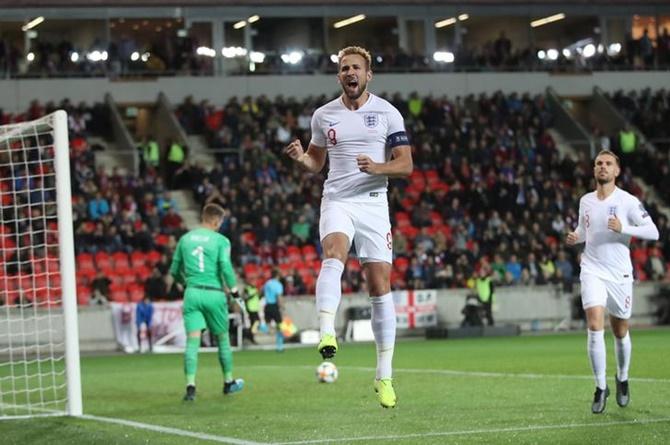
{"x": 458, "y": 373}
{"x": 172, "y": 431}
{"x": 530, "y": 428}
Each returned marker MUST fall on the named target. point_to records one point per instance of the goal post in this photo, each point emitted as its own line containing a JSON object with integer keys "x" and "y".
{"x": 39, "y": 335}
{"x": 67, "y": 271}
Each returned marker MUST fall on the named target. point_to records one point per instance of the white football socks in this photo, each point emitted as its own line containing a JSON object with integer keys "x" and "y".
{"x": 384, "y": 327}
{"x": 598, "y": 357}
{"x": 328, "y": 294}
{"x": 622, "y": 352}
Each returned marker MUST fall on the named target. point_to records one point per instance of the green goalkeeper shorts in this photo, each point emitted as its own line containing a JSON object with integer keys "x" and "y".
{"x": 205, "y": 309}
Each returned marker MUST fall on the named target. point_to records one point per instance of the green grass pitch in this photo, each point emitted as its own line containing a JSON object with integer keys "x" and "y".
{"x": 522, "y": 390}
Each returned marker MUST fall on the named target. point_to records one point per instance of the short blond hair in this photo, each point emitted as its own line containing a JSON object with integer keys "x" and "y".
{"x": 364, "y": 53}
{"x": 212, "y": 212}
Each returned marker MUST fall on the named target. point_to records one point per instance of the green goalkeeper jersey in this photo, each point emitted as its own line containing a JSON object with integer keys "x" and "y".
{"x": 202, "y": 258}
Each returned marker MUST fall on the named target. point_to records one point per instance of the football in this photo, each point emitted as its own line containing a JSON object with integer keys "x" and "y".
{"x": 326, "y": 372}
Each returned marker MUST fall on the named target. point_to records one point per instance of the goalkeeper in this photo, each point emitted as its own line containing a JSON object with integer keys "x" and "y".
{"x": 202, "y": 262}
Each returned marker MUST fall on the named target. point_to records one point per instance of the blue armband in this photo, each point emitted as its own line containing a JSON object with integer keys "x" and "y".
{"x": 396, "y": 139}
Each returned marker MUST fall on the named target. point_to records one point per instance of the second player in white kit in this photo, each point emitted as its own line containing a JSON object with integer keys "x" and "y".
{"x": 356, "y": 132}
{"x": 608, "y": 218}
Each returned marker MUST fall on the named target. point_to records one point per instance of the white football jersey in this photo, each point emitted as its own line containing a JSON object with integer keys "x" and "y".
{"x": 607, "y": 254}
{"x": 346, "y": 134}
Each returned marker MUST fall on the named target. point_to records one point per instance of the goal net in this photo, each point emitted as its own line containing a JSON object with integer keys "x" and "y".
{"x": 39, "y": 351}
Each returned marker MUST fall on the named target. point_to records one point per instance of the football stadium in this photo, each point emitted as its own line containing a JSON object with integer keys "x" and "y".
{"x": 299, "y": 222}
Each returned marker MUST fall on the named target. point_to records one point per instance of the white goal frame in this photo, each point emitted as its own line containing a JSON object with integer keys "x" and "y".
{"x": 58, "y": 121}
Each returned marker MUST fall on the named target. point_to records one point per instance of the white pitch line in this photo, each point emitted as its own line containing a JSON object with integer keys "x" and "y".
{"x": 475, "y": 432}
{"x": 472, "y": 373}
{"x": 174, "y": 431}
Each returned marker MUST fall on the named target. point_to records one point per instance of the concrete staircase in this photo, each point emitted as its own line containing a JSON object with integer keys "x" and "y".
{"x": 112, "y": 156}
{"x": 188, "y": 208}
{"x": 198, "y": 151}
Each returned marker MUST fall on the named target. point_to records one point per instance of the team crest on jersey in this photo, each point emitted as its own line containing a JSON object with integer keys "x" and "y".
{"x": 371, "y": 120}
{"x": 611, "y": 211}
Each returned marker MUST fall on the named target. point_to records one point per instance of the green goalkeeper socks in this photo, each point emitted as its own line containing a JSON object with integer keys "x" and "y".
{"x": 225, "y": 356}
{"x": 191, "y": 359}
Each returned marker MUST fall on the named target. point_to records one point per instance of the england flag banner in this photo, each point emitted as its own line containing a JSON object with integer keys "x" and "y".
{"x": 416, "y": 308}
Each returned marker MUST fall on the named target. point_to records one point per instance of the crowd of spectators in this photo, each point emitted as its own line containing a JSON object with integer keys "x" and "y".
{"x": 489, "y": 190}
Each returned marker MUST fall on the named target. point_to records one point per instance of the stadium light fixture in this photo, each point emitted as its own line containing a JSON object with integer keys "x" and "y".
{"x": 333, "y": 58}
{"x": 443, "y": 56}
{"x": 145, "y": 57}
{"x": 135, "y": 56}
{"x": 205, "y": 51}
{"x": 74, "y": 57}
{"x": 30, "y": 56}
{"x": 33, "y": 23}
{"x": 292, "y": 58}
{"x": 541, "y": 54}
{"x": 589, "y": 50}
{"x": 463, "y": 17}
{"x": 548, "y": 19}
{"x": 552, "y": 54}
{"x": 566, "y": 53}
{"x": 97, "y": 56}
{"x": 349, "y": 21}
{"x": 256, "y": 57}
{"x": 253, "y": 19}
{"x": 613, "y": 49}
{"x": 445, "y": 22}
{"x": 241, "y": 24}
{"x": 230, "y": 52}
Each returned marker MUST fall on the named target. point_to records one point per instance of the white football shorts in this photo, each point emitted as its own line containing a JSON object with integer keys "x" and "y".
{"x": 617, "y": 297}
{"x": 366, "y": 224}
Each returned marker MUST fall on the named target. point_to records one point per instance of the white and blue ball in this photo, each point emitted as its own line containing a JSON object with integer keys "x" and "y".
{"x": 326, "y": 372}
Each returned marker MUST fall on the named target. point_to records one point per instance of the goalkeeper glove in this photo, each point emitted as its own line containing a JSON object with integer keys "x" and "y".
{"x": 235, "y": 294}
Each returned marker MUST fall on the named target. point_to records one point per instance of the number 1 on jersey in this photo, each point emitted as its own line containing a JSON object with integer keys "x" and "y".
{"x": 200, "y": 253}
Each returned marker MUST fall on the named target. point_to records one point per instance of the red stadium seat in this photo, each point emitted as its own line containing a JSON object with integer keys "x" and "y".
{"x": 136, "y": 292}
{"x": 432, "y": 177}
{"x": 417, "y": 180}
{"x": 249, "y": 237}
{"x": 85, "y": 262}
{"x": 83, "y": 295}
{"x": 251, "y": 270}
{"x": 142, "y": 273}
{"x": 103, "y": 261}
{"x": 309, "y": 252}
{"x": 436, "y": 218}
{"x": 128, "y": 275}
{"x": 84, "y": 277}
{"x": 120, "y": 260}
{"x": 117, "y": 292}
{"x": 162, "y": 239}
{"x": 153, "y": 257}
{"x": 293, "y": 253}
{"x": 401, "y": 264}
{"x": 353, "y": 265}
{"x": 138, "y": 259}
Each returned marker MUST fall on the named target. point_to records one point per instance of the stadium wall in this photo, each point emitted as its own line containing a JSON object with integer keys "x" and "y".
{"x": 532, "y": 308}
{"x": 15, "y": 95}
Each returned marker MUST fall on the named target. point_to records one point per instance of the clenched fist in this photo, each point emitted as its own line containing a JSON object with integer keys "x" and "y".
{"x": 571, "y": 238}
{"x": 294, "y": 150}
{"x": 366, "y": 165}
